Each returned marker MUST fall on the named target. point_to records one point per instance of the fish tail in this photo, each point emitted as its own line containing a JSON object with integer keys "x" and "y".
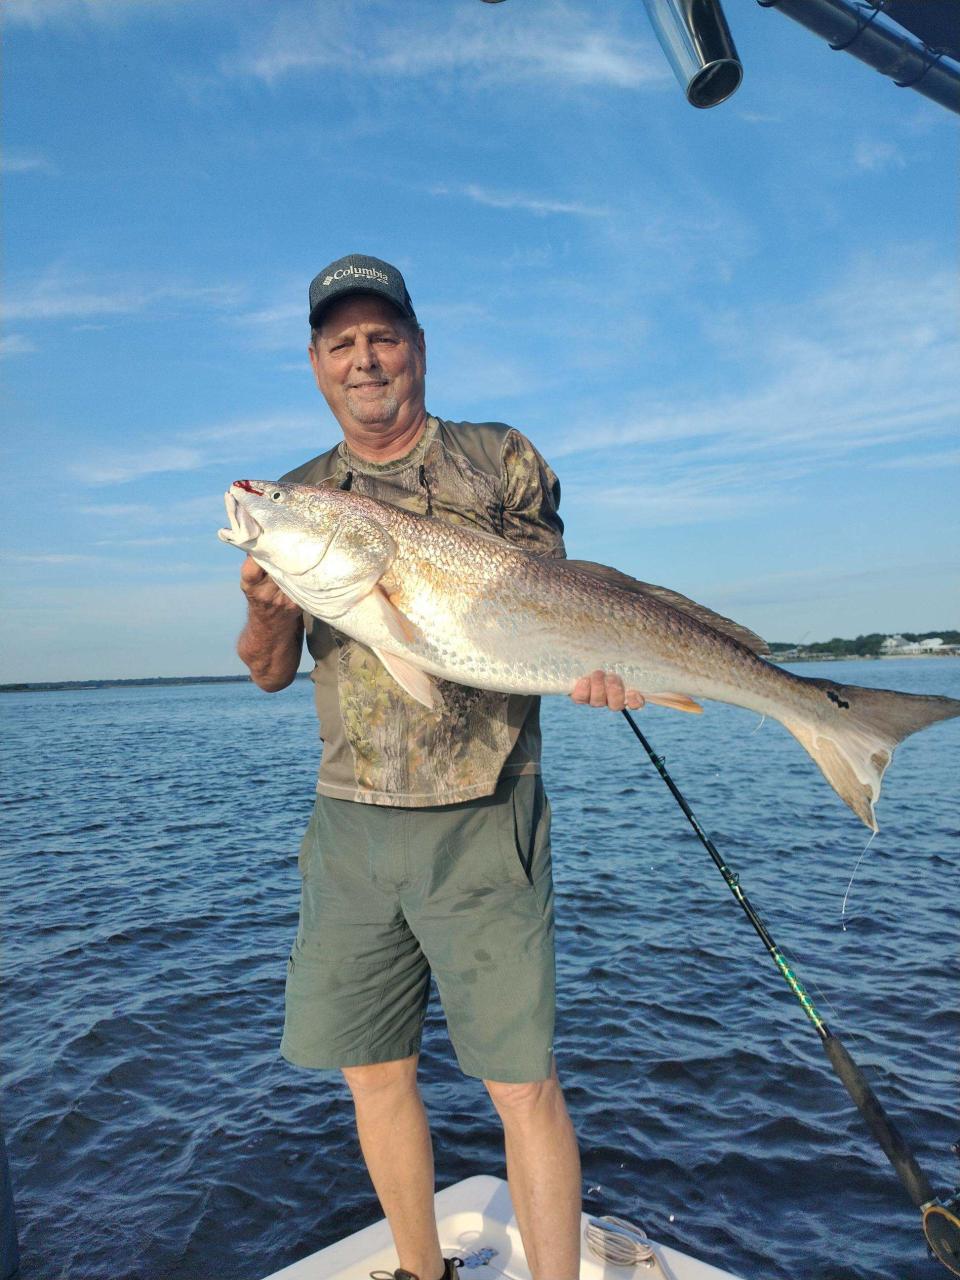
{"x": 852, "y": 740}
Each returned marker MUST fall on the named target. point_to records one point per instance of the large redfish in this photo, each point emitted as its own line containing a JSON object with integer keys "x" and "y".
{"x": 434, "y": 599}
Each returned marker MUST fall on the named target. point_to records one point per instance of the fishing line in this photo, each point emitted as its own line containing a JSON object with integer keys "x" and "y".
{"x": 843, "y": 908}
{"x": 851, "y": 1035}
{"x": 940, "y": 1218}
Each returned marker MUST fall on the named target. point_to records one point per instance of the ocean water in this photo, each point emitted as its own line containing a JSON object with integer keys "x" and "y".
{"x": 150, "y": 893}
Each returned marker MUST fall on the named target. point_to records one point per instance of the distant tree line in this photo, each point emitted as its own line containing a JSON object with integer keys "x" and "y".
{"x": 863, "y": 646}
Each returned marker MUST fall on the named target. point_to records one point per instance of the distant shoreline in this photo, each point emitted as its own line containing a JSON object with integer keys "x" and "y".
{"x": 151, "y": 682}
{"x": 142, "y": 682}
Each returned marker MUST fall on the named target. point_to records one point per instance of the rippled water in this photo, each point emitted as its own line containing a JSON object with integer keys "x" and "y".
{"x": 150, "y": 897}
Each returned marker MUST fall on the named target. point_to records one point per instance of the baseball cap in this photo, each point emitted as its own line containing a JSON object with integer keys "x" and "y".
{"x": 356, "y": 273}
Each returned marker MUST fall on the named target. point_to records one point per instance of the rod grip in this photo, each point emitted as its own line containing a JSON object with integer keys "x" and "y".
{"x": 894, "y": 1146}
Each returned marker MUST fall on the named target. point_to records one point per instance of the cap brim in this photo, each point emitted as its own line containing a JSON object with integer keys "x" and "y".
{"x": 336, "y": 295}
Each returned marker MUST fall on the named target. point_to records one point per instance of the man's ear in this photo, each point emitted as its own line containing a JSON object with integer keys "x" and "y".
{"x": 422, "y": 348}
{"x": 314, "y": 363}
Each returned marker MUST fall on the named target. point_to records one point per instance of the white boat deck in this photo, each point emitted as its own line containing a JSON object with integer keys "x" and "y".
{"x": 476, "y": 1223}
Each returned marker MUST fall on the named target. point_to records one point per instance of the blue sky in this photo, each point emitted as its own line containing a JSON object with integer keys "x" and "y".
{"x": 733, "y": 332}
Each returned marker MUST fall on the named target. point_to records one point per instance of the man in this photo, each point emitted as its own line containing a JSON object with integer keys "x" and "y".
{"x": 428, "y": 848}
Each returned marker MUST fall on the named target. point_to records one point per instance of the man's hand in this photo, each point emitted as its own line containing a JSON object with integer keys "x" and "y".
{"x": 261, "y": 590}
{"x": 603, "y": 689}
{"x": 272, "y": 641}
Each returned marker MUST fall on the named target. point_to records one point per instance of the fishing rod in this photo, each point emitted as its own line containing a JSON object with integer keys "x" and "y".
{"x": 940, "y": 1218}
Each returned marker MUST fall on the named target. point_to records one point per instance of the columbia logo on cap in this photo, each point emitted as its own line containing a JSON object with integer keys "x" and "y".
{"x": 366, "y": 273}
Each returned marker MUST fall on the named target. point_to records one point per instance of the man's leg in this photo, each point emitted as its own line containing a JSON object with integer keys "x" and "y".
{"x": 543, "y": 1169}
{"x": 395, "y": 1140}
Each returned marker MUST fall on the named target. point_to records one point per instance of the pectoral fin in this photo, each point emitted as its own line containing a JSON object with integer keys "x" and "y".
{"x": 397, "y": 623}
{"x": 675, "y": 701}
{"x": 410, "y": 678}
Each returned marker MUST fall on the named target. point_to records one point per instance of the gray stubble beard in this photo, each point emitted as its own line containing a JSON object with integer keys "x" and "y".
{"x": 368, "y": 412}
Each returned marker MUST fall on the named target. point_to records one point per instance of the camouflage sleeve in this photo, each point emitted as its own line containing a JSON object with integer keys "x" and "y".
{"x": 531, "y": 496}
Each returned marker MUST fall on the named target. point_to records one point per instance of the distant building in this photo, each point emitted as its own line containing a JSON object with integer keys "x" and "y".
{"x": 894, "y": 645}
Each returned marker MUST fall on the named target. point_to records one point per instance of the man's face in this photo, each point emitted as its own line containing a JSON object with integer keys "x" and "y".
{"x": 368, "y": 363}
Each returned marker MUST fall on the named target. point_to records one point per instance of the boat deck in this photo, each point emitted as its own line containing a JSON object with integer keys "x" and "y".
{"x": 476, "y": 1223}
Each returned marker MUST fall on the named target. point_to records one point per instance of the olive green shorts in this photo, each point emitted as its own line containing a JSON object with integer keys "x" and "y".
{"x": 390, "y": 895}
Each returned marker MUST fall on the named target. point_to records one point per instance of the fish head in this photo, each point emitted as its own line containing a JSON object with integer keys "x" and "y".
{"x": 268, "y": 520}
{"x": 317, "y": 543}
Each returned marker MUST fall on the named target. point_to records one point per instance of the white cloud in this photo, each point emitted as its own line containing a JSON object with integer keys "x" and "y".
{"x": 190, "y": 450}
{"x": 13, "y": 161}
{"x": 141, "y": 542}
{"x": 874, "y": 156}
{"x": 680, "y": 494}
{"x": 118, "y": 467}
{"x": 515, "y": 200}
{"x": 281, "y": 327}
{"x": 116, "y": 510}
{"x": 15, "y": 344}
{"x": 532, "y": 42}
{"x": 59, "y": 295}
{"x": 44, "y": 300}
{"x": 37, "y": 13}
{"x": 177, "y": 512}
{"x": 837, "y": 380}
{"x": 46, "y": 557}
{"x": 921, "y": 461}
{"x": 278, "y": 428}
{"x": 285, "y": 313}
{"x": 853, "y": 368}
{"x": 815, "y": 584}
{"x": 453, "y": 315}
{"x": 467, "y": 383}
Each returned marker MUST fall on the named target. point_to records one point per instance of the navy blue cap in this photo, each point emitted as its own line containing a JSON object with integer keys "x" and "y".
{"x": 356, "y": 273}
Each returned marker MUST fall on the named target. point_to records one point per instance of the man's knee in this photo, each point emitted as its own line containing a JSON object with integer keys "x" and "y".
{"x": 382, "y": 1079}
{"x": 520, "y": 1100}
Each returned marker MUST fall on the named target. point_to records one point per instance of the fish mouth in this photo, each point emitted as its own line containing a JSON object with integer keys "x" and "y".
{"x": 244, "y": 530}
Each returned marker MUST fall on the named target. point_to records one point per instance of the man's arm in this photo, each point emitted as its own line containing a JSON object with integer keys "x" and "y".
{"x": 272, "y": 641}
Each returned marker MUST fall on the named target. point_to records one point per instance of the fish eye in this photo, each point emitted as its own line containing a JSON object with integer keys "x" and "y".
{"x": 276, "y": 495}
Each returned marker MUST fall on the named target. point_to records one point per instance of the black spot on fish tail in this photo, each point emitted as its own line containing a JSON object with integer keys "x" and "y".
{"x": 837, "y": 700}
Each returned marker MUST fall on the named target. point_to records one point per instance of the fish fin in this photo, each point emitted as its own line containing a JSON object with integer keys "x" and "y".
{"x": 853, "y": 751}
{"x": 396, "y": 622}
{"x": 410, "y": 678}
{"x": 726, "y": 626}
{"x": 676, "y": 701}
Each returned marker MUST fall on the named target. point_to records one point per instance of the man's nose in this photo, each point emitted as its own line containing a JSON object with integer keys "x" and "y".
{"x": 364, "y": 353}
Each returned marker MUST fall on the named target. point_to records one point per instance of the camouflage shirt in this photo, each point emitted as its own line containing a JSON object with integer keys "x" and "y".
{"x": 380, "y": 746}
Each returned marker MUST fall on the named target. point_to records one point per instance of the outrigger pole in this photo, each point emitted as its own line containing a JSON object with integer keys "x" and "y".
{"x": 940, "y": 1218}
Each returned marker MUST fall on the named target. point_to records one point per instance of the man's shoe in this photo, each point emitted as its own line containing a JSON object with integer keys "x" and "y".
{"x": 449, "y": 1272}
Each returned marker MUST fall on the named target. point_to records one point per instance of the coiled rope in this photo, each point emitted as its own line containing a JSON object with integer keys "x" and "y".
{"x": 622, "y": 1243}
